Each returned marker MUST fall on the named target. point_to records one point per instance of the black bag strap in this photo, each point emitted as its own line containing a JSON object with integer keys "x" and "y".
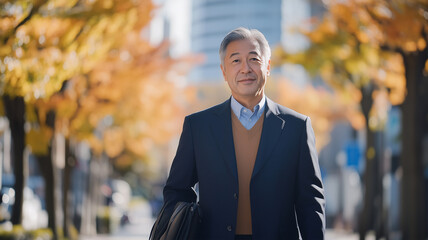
{"x": 181, "y": 224}
{"x": 159, "y": 226}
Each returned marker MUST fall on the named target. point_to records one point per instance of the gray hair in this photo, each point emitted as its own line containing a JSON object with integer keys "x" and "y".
{"x": 242, "y": 33}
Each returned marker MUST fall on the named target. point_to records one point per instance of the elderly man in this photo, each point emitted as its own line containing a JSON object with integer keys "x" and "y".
{"x": 255, "y": 161}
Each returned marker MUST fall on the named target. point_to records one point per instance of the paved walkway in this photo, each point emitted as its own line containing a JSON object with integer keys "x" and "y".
{"x": 139, "y": 227}
{"x": 141, "y": 223}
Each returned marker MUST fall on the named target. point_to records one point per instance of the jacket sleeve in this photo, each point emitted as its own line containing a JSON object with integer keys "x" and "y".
{"x": 310, "y": 201}
{"x": 182, "y": 177}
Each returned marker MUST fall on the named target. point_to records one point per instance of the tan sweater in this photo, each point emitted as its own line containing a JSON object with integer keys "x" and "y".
{"x": 246, "y": 145}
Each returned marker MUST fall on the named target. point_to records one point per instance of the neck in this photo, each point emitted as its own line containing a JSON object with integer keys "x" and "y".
{"x": 249, "y": 102}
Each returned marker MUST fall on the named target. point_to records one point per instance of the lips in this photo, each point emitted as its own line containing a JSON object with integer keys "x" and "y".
{"x": 246, "y": 80}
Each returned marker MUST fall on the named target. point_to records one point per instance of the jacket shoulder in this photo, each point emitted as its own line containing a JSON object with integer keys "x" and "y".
{"x": 287, "y": 113}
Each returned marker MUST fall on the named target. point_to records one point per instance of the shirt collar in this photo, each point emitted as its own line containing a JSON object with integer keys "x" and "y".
{"x": 237, "y": 108}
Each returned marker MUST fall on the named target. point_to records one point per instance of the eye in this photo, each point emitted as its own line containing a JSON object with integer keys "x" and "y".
{"x": 255, "y": 59}
{"x": 235, "y": 60}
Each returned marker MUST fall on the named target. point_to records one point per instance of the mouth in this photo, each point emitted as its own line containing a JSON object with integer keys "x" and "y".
{"x": 246, "y": 80}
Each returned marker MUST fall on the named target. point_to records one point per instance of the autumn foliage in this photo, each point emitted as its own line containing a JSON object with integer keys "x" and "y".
{"x": 351, "y": 45}
{"x": 380, "y": 48}
{"x": 95, "y": 49}
{"x": 86, "y": 71}
{"x": 323, "y": 106}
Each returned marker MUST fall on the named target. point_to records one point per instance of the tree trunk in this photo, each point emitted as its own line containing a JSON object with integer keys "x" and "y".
{"x": 371, "y": 191}
{"x": 47, "y": 169}
{"x": 380, "y": 223}
{"x": 69, "y": 164}
{"x": 15, "y": 112}
{"x": 414, "y": 128}
{"x": 90, "y": 206}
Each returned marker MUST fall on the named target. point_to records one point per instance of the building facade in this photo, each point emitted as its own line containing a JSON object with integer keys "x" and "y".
{"x": 213, "y": 19}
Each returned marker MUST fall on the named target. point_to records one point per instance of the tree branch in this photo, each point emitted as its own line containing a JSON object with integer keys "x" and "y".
{"x": 26, "y": 19}
{"x": 388, "y": 48}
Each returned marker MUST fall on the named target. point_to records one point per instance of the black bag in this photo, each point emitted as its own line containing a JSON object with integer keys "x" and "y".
{"x": 183, "y": 224}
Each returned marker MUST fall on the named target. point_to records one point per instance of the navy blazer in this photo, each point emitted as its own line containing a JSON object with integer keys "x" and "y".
{"x": 286, "y": 191}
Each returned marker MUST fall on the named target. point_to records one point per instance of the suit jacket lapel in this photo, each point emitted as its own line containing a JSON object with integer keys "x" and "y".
{"x": 221, "y": 129}
{"x": 272, "y": 129}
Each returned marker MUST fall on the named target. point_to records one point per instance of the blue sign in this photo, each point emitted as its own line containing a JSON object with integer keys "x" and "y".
{"x": 353, "y": 154}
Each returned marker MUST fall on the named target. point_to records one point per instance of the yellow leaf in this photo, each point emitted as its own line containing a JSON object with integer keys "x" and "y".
{"x": 421, "y": 44}
{"x": 96, "y": 145}
{"x": 114, "y": 141}
{"x": 66, "y": 108}
{"x": 2, "y": 112}
{"x": 426, "y": 66}
{"x": 371, "y": 54}
{"x": 39, "y": 140}
{"x": 124, "y": 161}
{"x": 355, "y": 65}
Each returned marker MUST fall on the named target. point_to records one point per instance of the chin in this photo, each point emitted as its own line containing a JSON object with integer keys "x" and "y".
{"x": 249, "y": 95}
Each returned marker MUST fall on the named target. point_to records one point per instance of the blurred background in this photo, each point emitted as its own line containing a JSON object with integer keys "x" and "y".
{"x": 94, "y": 93}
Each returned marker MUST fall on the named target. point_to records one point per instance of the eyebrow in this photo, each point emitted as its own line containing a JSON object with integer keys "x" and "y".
{"x": 252, "y": 52}
{"x": 233, "y": 54}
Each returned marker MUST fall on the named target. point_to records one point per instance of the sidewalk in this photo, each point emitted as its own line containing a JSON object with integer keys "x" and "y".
{"x": 141, "y": 223}
{"x": 134, "y": 233}
{"x": 332, "y": 234}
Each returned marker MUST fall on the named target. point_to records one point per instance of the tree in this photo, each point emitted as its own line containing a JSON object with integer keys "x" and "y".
{"x": 46, "y": 43}
{"x": 125, "y": 105}
{"x": 321, "y": 105}
{"x": 381, "y": 47}
{"x": 359, "y": 70}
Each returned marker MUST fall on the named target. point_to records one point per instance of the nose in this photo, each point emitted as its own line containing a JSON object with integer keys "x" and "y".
{"x": 245, "y": 67}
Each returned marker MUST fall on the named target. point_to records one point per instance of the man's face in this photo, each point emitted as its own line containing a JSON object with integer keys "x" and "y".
{"x": 245, "y": 69}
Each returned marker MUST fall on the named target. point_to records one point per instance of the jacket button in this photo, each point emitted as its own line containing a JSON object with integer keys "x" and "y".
{"x": 235, "y": 196}
{"x": 229, "y": 228}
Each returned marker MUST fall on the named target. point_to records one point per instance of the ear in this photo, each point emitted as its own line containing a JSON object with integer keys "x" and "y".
{"x": 222, "y": 70}
{"x": 268, "y": 68}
